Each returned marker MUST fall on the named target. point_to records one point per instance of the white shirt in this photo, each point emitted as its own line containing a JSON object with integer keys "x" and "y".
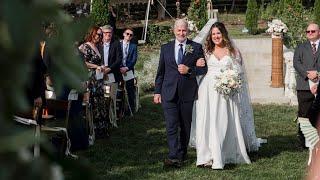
{"x": 106, "y": 47}
{"x": 125, "y": 49}
{"x": 317, "y": 44}
{"x": 177, "y": 47}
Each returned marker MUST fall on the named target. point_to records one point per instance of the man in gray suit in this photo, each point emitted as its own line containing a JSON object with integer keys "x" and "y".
{"x": 306, "y": 63}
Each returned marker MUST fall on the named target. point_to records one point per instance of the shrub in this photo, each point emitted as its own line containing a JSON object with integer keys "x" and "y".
{"x": 158, "y": 35}
{"x": 316, "y": 11}
{"x": 147, "y": 74}
{"x": 294, "y": 15}
{"x": 252, "y": 16}
{"x": 99, "y": 14}
{"x": 197, "y": 12}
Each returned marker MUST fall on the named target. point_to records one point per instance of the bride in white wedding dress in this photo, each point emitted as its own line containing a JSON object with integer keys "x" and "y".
{"x": 223, "y": 128}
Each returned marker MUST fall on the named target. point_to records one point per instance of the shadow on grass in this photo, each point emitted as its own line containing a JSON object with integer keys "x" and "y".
{"x": 137, "y": 148}
{"x": 277, "y": 145}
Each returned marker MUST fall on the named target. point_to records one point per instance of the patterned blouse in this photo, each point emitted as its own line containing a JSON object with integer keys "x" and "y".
{"x": 90, "y": 55}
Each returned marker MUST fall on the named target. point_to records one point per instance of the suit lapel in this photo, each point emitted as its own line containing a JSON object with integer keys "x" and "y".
{"x": 172, "y": 52}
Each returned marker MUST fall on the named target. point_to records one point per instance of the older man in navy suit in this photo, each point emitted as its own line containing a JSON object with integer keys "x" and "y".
{"x": 176, "y": 89}
{"x": 129, "y": 59}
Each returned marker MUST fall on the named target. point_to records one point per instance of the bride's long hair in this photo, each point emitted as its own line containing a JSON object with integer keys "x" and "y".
{"x": 209, "y": 45}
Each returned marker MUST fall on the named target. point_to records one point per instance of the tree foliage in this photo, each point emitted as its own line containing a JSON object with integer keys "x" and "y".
{"x": 294, "y": 15}
{"x": 197, "y": 12}
{"x": 252, "y": 16}
{"x": 20, "y": 33}
{"x": 99, "y": 14}
{"x": 316, "y": 11}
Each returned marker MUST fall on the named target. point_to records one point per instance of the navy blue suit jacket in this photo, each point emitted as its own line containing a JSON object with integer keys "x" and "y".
{"x": 132, "y": 55}
{"x": 169, "y": 80}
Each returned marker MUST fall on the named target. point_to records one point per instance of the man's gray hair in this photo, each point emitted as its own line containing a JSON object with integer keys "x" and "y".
{"x": 179, "y": 22}
{"x": 106, "y": 27}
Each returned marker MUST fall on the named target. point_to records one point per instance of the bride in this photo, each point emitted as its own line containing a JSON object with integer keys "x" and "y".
{"x": 223, "y": 128}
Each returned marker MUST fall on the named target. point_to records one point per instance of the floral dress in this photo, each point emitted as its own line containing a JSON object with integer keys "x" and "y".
{"x": 97, "y": 100}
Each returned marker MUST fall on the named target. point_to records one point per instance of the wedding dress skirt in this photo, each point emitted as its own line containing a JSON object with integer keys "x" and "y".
{"x": 217, "y": 128}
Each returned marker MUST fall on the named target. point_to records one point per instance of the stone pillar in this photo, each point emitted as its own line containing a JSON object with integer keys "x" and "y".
{"x": 277, "y": 61}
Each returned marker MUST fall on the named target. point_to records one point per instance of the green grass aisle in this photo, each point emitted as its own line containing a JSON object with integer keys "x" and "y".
{"x": 137, "y": 148}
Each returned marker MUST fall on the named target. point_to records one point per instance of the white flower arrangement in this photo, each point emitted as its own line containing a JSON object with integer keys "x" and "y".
{"x": 192, "y": 26}
{"x": 277, "y": 27}
{"x": 228, "y": 82}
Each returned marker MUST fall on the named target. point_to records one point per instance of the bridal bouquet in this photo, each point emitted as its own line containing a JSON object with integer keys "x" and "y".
{"x": 276, "y": 27}
{"x": 228, "y": 82}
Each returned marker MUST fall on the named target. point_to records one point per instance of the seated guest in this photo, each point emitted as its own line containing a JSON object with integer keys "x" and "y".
{"x": 129, "y": 59}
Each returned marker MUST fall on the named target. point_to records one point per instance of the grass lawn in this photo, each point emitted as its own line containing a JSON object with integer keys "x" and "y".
{"x": 137, "y": 148}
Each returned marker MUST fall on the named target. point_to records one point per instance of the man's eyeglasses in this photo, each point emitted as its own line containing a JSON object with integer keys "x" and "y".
{"x": 128, "y": 34}
{"x": 310, "y": 31}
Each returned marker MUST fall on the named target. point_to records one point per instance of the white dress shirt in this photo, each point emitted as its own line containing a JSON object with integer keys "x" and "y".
{"x": 125, "y": 49}
{"x": 177, "y": 47}
{"x": 106, "y": 47}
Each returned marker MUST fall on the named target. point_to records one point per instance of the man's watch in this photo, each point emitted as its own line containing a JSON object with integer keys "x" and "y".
{"x": 189, "y": 71}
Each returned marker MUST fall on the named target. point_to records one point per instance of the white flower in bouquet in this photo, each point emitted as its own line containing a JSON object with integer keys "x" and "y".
{"x": 277, "y": 26}
{"x": 228, "y": 82}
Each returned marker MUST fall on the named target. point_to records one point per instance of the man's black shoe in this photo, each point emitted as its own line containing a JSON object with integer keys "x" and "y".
{"x": 172, "y": 163}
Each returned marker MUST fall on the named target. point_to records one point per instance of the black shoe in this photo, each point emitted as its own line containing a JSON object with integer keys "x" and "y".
{"x": 175, "y": 163}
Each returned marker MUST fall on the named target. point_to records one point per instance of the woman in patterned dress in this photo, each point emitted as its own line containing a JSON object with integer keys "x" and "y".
{"x": 94, "y": 63}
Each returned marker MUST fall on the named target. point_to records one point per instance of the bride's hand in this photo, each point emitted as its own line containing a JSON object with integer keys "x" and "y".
{"x": 201, "y": 62}
{"x": 157, "y": 98}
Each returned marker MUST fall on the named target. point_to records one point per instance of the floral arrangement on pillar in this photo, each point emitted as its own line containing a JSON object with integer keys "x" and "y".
{"x": 276, "y": 29}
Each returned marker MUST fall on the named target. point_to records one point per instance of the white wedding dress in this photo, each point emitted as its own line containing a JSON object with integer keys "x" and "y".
{"x": 217, "y": 130}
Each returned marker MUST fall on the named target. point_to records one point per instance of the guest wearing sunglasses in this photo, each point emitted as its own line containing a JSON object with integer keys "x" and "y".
{"x": 306, "y": 63}
{"x": 130, "y": 54}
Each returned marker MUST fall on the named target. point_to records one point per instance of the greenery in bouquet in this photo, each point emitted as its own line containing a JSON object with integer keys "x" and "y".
{"x": 228, "y": 82}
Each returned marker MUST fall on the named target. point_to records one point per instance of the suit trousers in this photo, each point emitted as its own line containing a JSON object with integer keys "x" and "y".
{"x": 178, "y": 116}
{"x": 305, "y": 100}
{"x": 131, "y": 90}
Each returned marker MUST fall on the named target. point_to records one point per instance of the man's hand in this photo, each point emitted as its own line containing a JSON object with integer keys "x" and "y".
{"x": 314, "y": 88}
{"x": 157, "y": 98}
{"x": 183, "y": 69}
{"x": 201, "y": 62}
{"x": 38, "y": 102}
{"x": 312, "y": 75}
{"x": 106, "y": 70}
{"x": 123, "y": 70}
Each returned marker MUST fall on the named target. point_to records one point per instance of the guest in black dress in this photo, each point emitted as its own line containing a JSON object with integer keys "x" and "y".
{"x": 94, "y": 63}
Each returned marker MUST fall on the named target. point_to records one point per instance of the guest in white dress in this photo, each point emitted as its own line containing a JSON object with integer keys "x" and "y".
{"x": 218, "y": 128}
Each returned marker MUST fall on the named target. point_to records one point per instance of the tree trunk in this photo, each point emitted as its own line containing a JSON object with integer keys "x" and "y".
{"x": 161, "y": 11}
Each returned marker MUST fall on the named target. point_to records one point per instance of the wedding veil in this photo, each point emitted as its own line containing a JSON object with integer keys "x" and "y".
{"x": 246, "y": 112}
